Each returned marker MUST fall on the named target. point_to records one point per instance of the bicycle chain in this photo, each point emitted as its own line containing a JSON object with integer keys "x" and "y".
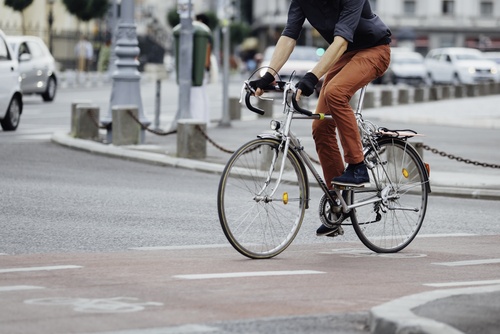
{"x": 459, "y": 159}
{"x": 211, "y": 141}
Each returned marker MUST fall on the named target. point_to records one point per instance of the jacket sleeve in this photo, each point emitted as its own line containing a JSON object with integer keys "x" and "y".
{"x": 295, "y": 21}
{"x": 350, "y": 16}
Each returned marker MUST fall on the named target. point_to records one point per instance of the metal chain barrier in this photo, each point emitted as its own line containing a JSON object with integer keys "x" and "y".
{"x": 459, "y": 159}
{"x": 94, "y": 119}
{"x": 144, "y": 127}
{"x": 213, "y": 142}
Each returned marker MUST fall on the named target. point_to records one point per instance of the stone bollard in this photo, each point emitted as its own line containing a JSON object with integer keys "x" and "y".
{"x": 126, "y": 130}
{"x": 369, "y": 101}
{"x": 471, "y": 90}
{"x": 85, "y": 122}
{"x": 191, "y": 144}
{"x": 484, "y": 89}
{"x": 419, "y": 95}
{"x": 445, "y": 92}
{"x": 74, "y": 104}
{"x": 459, "y": 91}
{"x": 403, "y": 96}
{"x": 386, "y": 98}
{"x": 267, "y": 106}
{"x": 435, "y": 93}
{"x": 234, "y": 108}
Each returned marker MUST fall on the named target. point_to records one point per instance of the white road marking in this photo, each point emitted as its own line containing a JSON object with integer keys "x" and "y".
{"x": 445, "y": 235}
{"x": 14, "y": 270}
{"x": 468, "y": 263}
{"x": 453, "y": 284}
{"x": 154, "y": 248}
{"x": 187, "y": 329}
{"x": 19, "y": 288}
{"x": 250, "y": 274}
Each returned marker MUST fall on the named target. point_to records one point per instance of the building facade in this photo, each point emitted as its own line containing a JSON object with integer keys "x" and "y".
{"x": 420, "y": 24}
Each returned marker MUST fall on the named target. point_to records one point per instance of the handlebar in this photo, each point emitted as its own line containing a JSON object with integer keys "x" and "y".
{"x": 278, "y": 87}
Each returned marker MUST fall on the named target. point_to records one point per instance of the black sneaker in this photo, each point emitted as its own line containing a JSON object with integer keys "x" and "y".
{"x": 329, "y": 232}
{"x": 354, "y": 176}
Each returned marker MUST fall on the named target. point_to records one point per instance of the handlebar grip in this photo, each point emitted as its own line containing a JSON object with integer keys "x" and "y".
{"x": 298, "y": 108}
{"x": 250, "y": 106}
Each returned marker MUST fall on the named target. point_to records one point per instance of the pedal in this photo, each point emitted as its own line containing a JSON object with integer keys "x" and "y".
{"x": 339, "y": 231}
{"x": 350, "y": 187}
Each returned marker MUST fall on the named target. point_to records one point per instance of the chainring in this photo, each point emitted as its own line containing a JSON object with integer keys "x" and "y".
{"x": 330, "y": 215}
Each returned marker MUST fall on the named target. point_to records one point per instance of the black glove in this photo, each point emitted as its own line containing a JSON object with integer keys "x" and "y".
{"x": 262, "y": 83}
{"x": 307, "y": 84}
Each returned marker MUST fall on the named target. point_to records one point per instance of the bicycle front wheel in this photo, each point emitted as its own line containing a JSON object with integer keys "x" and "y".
{"x": 398, "y": 191}
{"x": 259, "y": 216}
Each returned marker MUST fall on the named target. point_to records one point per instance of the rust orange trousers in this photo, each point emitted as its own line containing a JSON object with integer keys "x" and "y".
{"x": 351, "y": 72}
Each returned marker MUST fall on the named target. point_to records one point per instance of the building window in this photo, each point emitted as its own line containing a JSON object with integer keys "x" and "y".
{"x": 409, "y": 7}
{"x": 486, "y": 8}
{"x": 448, "y": 7}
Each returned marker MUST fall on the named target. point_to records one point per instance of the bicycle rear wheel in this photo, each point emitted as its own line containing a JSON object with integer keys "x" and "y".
{"x": 255, "y": 224}
{"x": 388, "y": 226}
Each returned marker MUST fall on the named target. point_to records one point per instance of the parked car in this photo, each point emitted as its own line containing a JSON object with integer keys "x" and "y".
{"x": 406, "y": 67}
{"x": 36, "y": 65}
{"x": 301, "y": 61}
{"x": 11, "y": 101}
{"x": 494, "y": 56}
{"x": 459, "y": 66}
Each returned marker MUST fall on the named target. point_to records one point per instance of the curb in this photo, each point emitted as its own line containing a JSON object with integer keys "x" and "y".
{"x": 397, "y": 317}
{"x": 132, "y": 153}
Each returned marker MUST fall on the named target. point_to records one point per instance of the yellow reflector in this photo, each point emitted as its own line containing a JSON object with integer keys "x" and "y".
{"x": 405, "y": 173}
{"x": 285, "y": 198}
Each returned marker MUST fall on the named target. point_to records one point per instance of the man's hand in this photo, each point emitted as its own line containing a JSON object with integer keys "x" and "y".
{"x": 306, "y": 85}
{"x": 260, "y": 84}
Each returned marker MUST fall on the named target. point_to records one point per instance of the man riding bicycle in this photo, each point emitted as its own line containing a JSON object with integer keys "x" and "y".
{"x": 359, "y": 52}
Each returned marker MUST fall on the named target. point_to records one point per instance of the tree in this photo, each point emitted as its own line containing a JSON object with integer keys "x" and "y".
{"x": 86, "y": 10}
{"x": 19, "y": 6}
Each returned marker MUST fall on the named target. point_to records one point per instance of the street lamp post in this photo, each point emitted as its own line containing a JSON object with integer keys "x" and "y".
{"x": 126, "y": 88}
{"x": 50, "y": 21}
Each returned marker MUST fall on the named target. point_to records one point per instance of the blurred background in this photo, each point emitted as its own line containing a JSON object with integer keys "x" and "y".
{"x": 417, "y": 25}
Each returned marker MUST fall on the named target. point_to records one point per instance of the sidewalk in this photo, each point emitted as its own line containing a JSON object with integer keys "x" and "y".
{"x": 422, "y": 313}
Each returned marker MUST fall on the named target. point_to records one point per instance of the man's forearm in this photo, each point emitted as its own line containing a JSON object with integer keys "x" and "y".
{"x": 284, "y": 48}
{"x": 332, "y": 54}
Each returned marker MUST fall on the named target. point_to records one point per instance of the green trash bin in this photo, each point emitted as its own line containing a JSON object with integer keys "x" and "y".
{"x": 201, "y": 37}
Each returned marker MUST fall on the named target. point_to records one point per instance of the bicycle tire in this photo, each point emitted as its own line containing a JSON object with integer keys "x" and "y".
{"x": 391, "y": 226}
{"x": 256, "y": 226}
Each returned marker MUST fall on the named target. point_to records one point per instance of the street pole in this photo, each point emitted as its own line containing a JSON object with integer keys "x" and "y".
{"x": 114, "y": 8}
{"x": 126, "y": 88}
{"x": 226, "y": 120}
{"x": 185, "y": 61}
{"x": 50, "y": 20}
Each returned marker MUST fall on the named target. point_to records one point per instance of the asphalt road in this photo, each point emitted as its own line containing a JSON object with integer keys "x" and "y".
{"x": 92, "y": 244}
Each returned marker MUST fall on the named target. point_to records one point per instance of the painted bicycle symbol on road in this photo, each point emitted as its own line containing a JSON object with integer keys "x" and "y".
{"x": 97, "y": 305}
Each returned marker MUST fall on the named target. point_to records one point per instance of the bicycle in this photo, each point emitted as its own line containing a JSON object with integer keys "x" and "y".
{"x": 264, "y": 189}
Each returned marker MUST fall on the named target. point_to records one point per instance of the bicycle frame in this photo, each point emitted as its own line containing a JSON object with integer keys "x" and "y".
{"x": 288, "y": 139}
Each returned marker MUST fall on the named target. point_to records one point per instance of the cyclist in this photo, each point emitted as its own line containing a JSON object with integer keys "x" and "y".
{"x": 359, "y": 52}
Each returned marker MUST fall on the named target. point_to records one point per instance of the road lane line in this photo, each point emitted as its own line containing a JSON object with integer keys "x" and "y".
{"x": 183, "y": 329}
{"x": 185, "y": 247}
{"x": 452, "y": 284}
{"x": 468, "y": 263}
{"x": 19, "y": 288}
{"x": 446, "y": 235}
{"x": 14, "y": 270}
{"x": 249, "y": 274}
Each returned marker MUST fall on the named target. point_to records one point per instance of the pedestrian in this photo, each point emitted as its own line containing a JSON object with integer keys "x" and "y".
{"x": 358, "y": 53}
{"x": 84, "y": 53}
{"x": 199, "y": 101}
{"x": 104, "y": 56}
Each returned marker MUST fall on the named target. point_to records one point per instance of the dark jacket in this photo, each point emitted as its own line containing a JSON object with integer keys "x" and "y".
{"x": 353, "y": 20}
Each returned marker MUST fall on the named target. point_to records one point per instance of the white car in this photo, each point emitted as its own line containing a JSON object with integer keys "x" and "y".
{"x": 302, "y": 60}
{"x": 11, "y": 100}
{"x": 406, "y": 67}
{"x": 494, "y": 56}
{"x": 36, "y": 65}
{"x": 459, "y": 66}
